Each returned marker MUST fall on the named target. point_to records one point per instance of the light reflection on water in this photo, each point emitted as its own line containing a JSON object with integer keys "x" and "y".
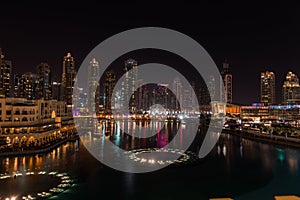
{"x": 235, "y": 167}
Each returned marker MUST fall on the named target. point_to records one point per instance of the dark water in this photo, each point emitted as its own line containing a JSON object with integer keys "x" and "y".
{"x": 237, "y": 168}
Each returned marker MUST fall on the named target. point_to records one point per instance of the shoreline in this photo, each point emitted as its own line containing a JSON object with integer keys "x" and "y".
{"x": 268, "y": 139}
{"x": 38, "y": 151}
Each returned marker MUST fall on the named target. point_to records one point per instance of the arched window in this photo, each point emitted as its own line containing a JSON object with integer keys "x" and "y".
{"x": 17, "y": 112}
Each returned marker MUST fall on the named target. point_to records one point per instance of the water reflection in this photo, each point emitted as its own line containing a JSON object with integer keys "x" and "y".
{"x": 234, "y": 167}
{"x": 36, "y": 162}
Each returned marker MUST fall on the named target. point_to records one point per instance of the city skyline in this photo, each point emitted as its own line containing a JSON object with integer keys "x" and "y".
{"x": 44, "y": 70}
{"x": 149, "y": 100}
{"x": 251, "y": 42}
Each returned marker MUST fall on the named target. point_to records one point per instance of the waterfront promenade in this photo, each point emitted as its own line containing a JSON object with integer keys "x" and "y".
{"x": 266, "y": 138}
{"x": 41, "y": 150}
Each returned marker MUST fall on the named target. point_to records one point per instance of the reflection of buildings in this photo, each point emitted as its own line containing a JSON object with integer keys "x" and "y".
{"x": 110, "y": 81}
{"x": 267, "y": 88}
{"x": 68, "y": 78}
{"x": 93, "y": 85}
{"x": 129, "y": 85}
{"x": 227, "y": 79}
{"x": 291, "y": 89}
{"x": 6, "y": 82}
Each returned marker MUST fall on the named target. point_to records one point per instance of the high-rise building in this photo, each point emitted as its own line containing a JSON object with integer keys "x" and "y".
{"x": 93, "y": 85}
{"x": 129, "y": 85}
{"x": 29, "y": 85}
{"x": 187, "y": 100}
{"x": 44, "y": 76}
{"x": 17, "y": 85}
{"x": 142, "y": 97}
{"x": 291, "y": 89}
{"x": 56, "y": 90}
{"x": 267, "y": 88}
{"x": 6, "y": 77}
{"x": 162, "y": 95}
{"x": 68, "y": 78}
{"x": 227, "y": 79}
{"x": 177, "y": 90}
{"x": 110, "y": 81}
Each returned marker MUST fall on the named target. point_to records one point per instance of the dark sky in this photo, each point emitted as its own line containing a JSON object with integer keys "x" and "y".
{"x": 253, "y": 36}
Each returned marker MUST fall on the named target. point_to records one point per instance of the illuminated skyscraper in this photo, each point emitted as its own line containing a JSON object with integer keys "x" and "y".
{"x": 177, "y": 89}
{"x": 227, "y": 79}
{"x": 187, "y": 100}
{"x": 6, "y": 78}
{"x": 129, "y": 85}
{"x": 142, "y": 97}
{"x": 161, "y": 95}
{"x": 93, "y": 84}
{"x": 28, "y": 86}
{"x": 110, "y": 81}
{"x": 44, "y": 76}
{"x": 291, "y": 89}
{"x": 267, "y": 88}
{"x": 17, "y": 85}
{"x": 68, "y": 78}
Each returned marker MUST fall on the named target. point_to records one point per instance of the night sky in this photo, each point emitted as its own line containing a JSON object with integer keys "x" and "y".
{"x": 252, "y": 36}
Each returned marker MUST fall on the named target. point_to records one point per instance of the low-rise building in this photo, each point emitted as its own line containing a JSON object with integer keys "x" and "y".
{"x": 29, "y": 123}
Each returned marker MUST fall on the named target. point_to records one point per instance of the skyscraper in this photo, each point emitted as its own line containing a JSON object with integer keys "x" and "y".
{"x": 128, "y": 87}
{"x": 227, "y": 79}
{"x": 17, "y": 85}
{"x": 177, "y": 89}
{"x": 68, "y": 78}
{"x": 56, "y": 90}
{"x": 110, "y": 81}
{"x": 44, "y": 76}
{"x": 187, "y": 100}
{"x": 162, "y": 95}
{"x": 267, "y": 88}
{"x": 142, "y": 97}
{"x": 93, "y": 85}
{"x": 6, "y": 78}
{"x": 291, "y": 89}
{"x": 28, "y": 86}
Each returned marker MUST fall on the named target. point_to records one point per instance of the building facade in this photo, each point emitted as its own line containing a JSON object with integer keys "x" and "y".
{"x": 129, "y": 85}
{"x": 93, "y": 85}
{"x": 267, "y": 88}
{"x": 44, "y": 81}
{"x": 178, "y": 98}
{"x": 227, "y": 80}
{"x": 68, "y": 78}
{"x": 32, "y": 123}
{"x": 109, "y": 84}
{"x": 291, "y": 89}
{"x": 6, "y": 77}
{"x": 67, "y": 81}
